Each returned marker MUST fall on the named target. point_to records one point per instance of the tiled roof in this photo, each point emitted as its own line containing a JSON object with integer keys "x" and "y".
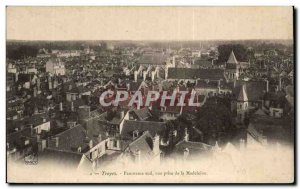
{"x": 71, "y": 138}
{"x": 144, "y": 144}
{"x": 143, "y": 113}
{"x": 189, "y": 73}
{"x": 153, "y": 59}
{"x": 207, "y": 84}
{"x": 60, "y": 158}
{"x": 78, "y": 90}
{"x": 254, "y": 133}
{"x": 203, "y": 63}
{"x": 153, "y": 127}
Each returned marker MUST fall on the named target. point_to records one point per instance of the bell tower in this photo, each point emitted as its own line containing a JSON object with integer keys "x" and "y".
{"x": 232, "y": 68}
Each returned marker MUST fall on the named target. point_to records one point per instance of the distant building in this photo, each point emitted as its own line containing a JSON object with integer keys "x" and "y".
{"x": 234, "y": 68}
{"x": 196, "y": 53}
{"x": 189, "y": 74}
{"x": 246, "y": 97}
{"x": 232, "y": 71}
{"x": 56, "y": 67}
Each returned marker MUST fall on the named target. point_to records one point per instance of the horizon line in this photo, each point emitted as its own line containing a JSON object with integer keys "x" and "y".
{"x": 140, "y": 40}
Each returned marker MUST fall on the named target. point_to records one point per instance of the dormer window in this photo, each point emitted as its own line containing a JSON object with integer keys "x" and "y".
{"x": 135, "y": 134}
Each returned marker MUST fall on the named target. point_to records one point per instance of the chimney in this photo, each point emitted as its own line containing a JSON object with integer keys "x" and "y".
{"x": 56, "y": 142}
{"x": 91, "y": 144}
{"x": 99, "y": 138}
{"x": 60, "y": 106}
{"x": 135, "y": 134}
{"x": 128, "y": 86}
{"x": 55, "y": 83}
{"x": 34, "y": 91}
{"x": 17, "y": 76}
{"x": 186, "y": 135}
{"x": 50, "y": 84}
{"x": 72, "y": 106}
{"x": 135, "y": 76}
{"x": 181, "y": 108}
{"x": 152, "y": 75}
{"x": 267, "y": 86}
{"x": 122, "y": 114}
{"x": 31, "y": 129}
{"x": 144, "y": 75}
{"x": 118, "y": 144}
{"x": 280, "y": 87}
{"x": 156, "y": 144}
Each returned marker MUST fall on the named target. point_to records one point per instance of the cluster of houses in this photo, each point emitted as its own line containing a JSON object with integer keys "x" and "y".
{"x": 53, "y": 108}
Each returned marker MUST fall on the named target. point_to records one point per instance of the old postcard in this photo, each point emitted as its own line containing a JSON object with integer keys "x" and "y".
{"x": 150, "y": 95}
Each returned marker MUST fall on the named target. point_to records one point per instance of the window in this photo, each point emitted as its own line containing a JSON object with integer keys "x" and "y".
{"x": 135, "y": 134}
{"x": 114, "y": 143}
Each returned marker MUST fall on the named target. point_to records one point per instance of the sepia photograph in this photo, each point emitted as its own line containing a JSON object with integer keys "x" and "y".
{"x": 150, "y": 94}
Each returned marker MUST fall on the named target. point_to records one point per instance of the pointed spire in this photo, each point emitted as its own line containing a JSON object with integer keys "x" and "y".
{"x": 232, "y": 59}
{"x": 243, "y": 95}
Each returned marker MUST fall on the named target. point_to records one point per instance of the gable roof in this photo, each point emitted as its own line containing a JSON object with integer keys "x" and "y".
{"x": 153, "y": 59}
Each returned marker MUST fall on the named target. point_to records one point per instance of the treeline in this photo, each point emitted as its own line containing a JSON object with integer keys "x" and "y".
{"x": 20, "y": 52}
{"x": 240, "y": 52}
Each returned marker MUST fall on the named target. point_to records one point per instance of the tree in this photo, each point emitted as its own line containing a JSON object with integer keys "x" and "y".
{"x": 240, "y": 52}
{"x": 21, "y": 52}
{"x": 214, "y": 121}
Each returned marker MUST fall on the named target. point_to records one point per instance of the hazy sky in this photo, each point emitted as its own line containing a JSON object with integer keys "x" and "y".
{"x": 149, "y": 23}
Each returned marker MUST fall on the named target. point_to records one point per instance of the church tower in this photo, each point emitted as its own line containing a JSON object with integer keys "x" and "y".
{"x": 242, "y": 105}
{"x": 232, "y": 68}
